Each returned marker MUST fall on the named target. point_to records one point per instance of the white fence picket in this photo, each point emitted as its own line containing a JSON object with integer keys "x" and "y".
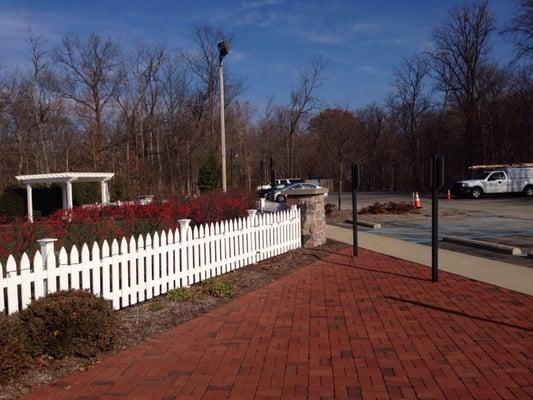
{"x": 132, "y": 270}
{"x": 25, "y": 280}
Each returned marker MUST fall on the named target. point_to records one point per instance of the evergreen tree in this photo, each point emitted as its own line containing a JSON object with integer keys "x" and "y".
{"x": 209, "y": 175}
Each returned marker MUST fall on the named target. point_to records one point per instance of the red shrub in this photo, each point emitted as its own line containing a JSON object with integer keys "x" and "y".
{"x": 87, "y": 224}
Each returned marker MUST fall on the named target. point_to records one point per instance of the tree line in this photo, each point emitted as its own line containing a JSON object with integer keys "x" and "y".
{"x": 151, "y": 115}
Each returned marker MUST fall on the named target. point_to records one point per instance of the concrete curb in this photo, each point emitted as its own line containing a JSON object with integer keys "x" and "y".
{"x": 365, "y": 224}
{"x": 500, "y": 248}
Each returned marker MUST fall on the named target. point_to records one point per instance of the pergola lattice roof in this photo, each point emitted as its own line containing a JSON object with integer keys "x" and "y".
{"x": 65, "y": 177}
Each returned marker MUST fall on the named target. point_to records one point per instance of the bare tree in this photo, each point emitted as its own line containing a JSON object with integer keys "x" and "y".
{"x": 460, "y": 51}
{"x": 408, "y": 104}
{"x": 303, "y": 100}
{"x": 520, "y": 30}
{"x": 91, "y": 75}
{"x": 336, "y": 132}
{"x": 42, "y": 89}
{"x": 373, "y": 120}
{"x": 204, "y": 64}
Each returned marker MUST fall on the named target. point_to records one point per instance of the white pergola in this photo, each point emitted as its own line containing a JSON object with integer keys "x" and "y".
{"x": 65, "y": 180}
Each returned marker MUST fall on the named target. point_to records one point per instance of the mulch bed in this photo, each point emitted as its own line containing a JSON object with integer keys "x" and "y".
{"x": 144, "y": 320}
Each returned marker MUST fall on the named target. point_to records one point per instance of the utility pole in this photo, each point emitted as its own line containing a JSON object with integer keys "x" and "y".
{"x": 223, "y": 51}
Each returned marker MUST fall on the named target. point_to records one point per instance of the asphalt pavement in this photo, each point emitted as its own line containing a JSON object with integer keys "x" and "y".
{"x": 503, "y": 220}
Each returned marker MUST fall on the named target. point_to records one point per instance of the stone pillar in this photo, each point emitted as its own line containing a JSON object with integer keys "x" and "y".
{"x": 313, "y": 214}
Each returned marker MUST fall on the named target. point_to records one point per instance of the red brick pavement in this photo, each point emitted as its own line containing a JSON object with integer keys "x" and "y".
{"x": 370, "y": 328}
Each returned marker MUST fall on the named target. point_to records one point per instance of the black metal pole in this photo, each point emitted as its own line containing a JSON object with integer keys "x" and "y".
{"x": 272, "y": 180}
{"x": 355, "y": 184}
{"x": 434, "y": 219}
{"x": 395, "y": 180}
{"x": 231, "y": 155}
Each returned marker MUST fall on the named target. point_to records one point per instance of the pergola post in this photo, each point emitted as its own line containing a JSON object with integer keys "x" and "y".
{"x": 69, "y": 194}
{"x": 64, "y": 195}
{"x": 29, "y": 200}
{"x": 105, "y": 190}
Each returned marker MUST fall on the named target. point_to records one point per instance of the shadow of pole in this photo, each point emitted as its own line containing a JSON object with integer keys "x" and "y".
{"x": 459, "y": 313}
{"x": 364, "y": 268}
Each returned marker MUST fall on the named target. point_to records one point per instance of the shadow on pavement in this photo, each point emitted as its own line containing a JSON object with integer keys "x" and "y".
{"x": 362, "y": 268}
{"x": 459, "y": 313}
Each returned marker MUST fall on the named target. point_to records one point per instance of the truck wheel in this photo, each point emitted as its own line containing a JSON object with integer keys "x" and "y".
{"x": 477, "y": 192}
{"x": 281, "y": 198}
{"x": 528, "y": 191}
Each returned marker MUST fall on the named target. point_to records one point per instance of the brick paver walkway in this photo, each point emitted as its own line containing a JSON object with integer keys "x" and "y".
{"x": 370, "y": 328}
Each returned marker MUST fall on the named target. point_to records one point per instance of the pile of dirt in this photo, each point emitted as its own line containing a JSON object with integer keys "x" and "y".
{"x": 391, "y": 207}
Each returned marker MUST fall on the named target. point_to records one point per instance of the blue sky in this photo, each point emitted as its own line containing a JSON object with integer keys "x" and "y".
{"x": 362, "y": 40}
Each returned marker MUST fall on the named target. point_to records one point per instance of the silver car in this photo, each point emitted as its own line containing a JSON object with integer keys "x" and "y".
{"x": 281, "y": 191}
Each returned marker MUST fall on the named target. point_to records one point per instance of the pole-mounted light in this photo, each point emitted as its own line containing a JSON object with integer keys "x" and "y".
{"x": 223, "y": 50}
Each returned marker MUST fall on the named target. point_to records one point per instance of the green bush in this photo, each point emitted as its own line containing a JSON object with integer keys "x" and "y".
{"x": 73, "y": 322}
{"x": 221, "y": 289}
{"x": 13, "y": 202}
{"x": 14, "y": 347}
{"x": 180, "y": 294}
{"x": 209, "y": 175}
{"x": 86, "y": 193}
{"x": 45, "y": 201}
{"x": 156, "y": 306}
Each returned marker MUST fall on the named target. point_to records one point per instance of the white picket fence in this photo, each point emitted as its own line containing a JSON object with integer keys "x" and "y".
{"x": 137, "y": 269}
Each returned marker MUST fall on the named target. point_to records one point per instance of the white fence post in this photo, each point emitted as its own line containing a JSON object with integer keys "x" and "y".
{"x": 47, "y": 247}
{"x": 185, "y": 256}
{"x": 251, "y": 235}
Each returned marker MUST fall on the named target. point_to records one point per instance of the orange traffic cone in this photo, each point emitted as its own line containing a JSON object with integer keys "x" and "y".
{"x": 417, "y": 201}
{"x": 449, "y": 195}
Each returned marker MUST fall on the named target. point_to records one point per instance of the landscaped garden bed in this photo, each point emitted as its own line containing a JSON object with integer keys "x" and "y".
{"x": 139, "y": 322}
{"x": 88, "y": 224}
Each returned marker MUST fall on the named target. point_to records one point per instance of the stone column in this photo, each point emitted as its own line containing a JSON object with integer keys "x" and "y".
{"x": 313, "y": 214}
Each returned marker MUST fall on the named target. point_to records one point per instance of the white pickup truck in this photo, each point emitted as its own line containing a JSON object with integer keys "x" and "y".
{"x": 494, "y": 180}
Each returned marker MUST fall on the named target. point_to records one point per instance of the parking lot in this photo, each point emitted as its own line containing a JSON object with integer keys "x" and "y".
{"x": 503, "y": 220}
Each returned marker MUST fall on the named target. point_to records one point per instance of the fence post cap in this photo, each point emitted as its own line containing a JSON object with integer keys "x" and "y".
{"x": 294, "y": 207}
{"x": 45, "y": 241}
{"x": 184, "y": 223}
{"x": 252, "y": 212}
